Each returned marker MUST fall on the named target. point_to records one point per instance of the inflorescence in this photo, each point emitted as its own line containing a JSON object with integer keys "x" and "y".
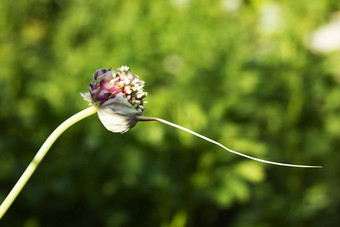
{"x": 106, "y": 84}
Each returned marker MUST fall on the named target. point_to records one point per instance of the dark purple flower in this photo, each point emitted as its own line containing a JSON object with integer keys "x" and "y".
{"x": 98, "y": 73}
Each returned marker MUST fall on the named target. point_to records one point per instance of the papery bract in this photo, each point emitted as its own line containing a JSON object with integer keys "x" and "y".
{"x": 118, "y": 115}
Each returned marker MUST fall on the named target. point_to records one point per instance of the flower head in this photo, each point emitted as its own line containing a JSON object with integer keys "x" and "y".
{"x": 119, "y": 97}
{"x": 106, "y": 84}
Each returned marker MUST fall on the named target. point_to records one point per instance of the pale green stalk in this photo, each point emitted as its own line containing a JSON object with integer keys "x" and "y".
{"x": 40, "y": 155}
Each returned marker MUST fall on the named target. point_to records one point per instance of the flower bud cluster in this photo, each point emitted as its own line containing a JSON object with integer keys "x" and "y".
{"x": 106, "y": 84}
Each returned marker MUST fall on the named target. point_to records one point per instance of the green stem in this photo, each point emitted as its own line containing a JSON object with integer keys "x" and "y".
{"x": 40, "y": 155}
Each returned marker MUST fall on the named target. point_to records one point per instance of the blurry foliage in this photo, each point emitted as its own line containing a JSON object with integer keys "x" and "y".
{"x": 237, "y": 71}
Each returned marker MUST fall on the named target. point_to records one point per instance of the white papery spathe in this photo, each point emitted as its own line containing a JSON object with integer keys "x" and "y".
{"x": 118, "y": 115}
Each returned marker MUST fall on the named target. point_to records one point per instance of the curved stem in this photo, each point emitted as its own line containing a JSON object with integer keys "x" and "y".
{"x": 142, "y": 118}
{"x": 40, "y": 155}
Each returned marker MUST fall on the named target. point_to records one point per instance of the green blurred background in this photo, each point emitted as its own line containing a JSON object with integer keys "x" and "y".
{"x": 237, "y": 71}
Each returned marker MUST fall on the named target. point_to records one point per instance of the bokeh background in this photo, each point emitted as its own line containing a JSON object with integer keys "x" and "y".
{"x": 260, "y": 76}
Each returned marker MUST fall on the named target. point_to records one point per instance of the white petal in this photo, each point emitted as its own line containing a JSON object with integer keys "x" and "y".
{"x": 118, "y": 115}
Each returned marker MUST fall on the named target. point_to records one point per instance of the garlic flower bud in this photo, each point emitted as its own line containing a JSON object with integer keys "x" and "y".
{"x": 119, "y": 97}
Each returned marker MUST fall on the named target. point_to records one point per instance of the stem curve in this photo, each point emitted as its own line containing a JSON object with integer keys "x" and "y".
{"x": 41, "y": 154}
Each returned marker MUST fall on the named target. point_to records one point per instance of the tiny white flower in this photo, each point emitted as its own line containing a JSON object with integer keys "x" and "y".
{"x": 124, "y": 68}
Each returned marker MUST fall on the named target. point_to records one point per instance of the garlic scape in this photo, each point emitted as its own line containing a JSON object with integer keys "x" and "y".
{"x": 118, "y": 98}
